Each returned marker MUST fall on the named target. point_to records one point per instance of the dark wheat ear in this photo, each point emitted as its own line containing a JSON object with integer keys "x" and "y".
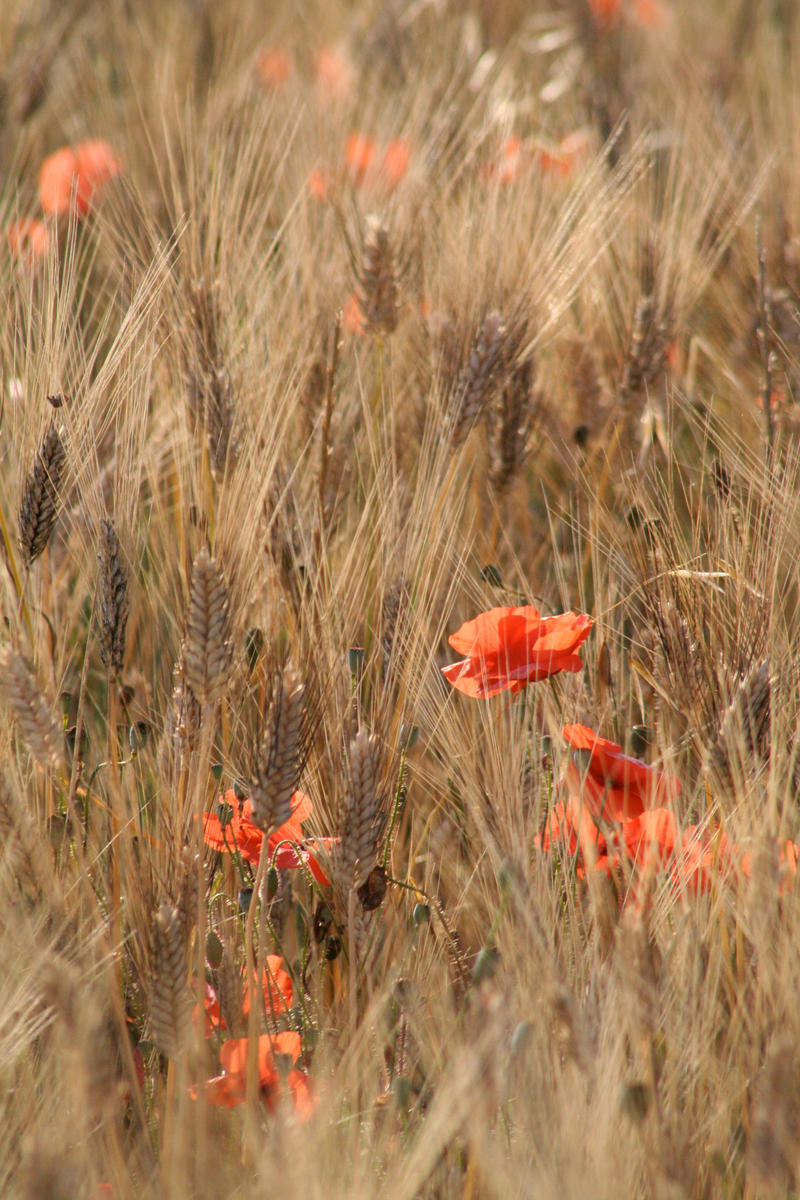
{"x": 358, "y": 849}
{"x": 378, "y": 282}
{"x": 208, "y": 648}
{"x": 281, "y": 754}
{"x": 510, "y": 428}
{"x": 39, "y": 503}
{"x": 476, "y": 382}
{"x": 113, "y": 599}
{"x": 209, "y": 393}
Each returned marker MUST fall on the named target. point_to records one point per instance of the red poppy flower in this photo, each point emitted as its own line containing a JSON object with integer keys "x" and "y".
{"x": 508, "y": 648}
{"x": 237, "y": 832}
{"x": 230, "y": 1088}
{"x": 28, "y": 238}
{"x": 613, "y": 785}
{"x": 276, "y": 986}
{"x": 71, "y": 179}
{"x": 213, "y": 1016}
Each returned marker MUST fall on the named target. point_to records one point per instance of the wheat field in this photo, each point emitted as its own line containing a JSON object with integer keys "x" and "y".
{"x": 326, "y": 329}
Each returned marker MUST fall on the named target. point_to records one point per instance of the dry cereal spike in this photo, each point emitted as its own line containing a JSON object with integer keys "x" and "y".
{"x": 27, "y": 866}
{"x": 378, "y": 282}
{"x": 20, "y": 690}
{"x": 208, "y": 648}
{"x": 474, "y": 385}
{"x": 39, "y": 504}
{"x": 229, "y": 989}
{"x": 359, "y": 845}
{"x": 510, "y": 428}
{"x": 281, "y": 754}
{"x": 209, "y": 390}
{"x": 170, "y": 1001}
{"x": 113, "y": 599}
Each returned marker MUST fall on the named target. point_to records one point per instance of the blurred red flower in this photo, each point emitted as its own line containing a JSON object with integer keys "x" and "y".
{"x": 611, "y": 784}
{"x": 72, "y": 178}
{"x": 359, "y": 153}
{"x": 333, "y": 74}
{"x": 28, "y": 238}
{"x": 508, "y": 648}
{"x": 273, "y": 66}
{"x": 396, "y": 158}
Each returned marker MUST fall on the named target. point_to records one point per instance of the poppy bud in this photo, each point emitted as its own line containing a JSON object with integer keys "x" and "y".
{"x": 355, "y": 660}
{"x": 138, "y": 733}
{"x": 421, "y": 914}
{"x": 245, "y": 896}
{"x": 520, "y": 1038}
{"x": 213, "y": 949}
{"x": 485, "y": 964}
{"x": 333, "y": 948}
{"x": 272, "y": 883}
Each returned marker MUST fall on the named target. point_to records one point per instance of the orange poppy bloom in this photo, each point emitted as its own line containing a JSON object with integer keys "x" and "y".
{"x": 276, "y": 986}
{"x": 508, "y": 648}
{"x": 28, "y": 238}
{"x": 72, "y": 178}
{"x": 613, "y": 785}
{"x": 230, "y": 1088}
{"x": 273, "y": 66}
{"x": 234, "y": 830}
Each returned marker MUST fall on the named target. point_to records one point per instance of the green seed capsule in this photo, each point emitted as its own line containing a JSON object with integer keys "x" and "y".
{"x": 421, "y": 914}
{"x": 485, "y": 964}
{"x": 213, "y": 949}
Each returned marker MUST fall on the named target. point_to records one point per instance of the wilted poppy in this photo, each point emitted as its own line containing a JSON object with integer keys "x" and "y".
{"x": 72, "y": 178}
{"x": 508, "y": 648}
{"x": 28, "y": 238}
{"x": 613, "y": 785}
